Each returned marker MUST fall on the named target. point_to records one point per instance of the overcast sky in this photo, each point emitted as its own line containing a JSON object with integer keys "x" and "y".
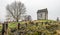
{"x": 32, "y": 6}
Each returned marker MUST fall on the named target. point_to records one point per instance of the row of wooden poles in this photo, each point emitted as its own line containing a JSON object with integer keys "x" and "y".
{"x": 5, "y": 27}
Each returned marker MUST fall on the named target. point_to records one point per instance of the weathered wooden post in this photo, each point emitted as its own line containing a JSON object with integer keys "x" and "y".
{"x": 5, "y": 28}
{"x": 18, "y": 32}
{"x": 26, "y": 24}
{"x": 18, "y": 26}
{"x": 42, "y": 23}
{"x": 46, "y": 22}
{"x": 36, "y": 24}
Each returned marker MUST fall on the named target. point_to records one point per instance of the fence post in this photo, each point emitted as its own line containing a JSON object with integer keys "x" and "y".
{"x": 36, "y": 24}
{"x": 5, "y": 28}
{"x": 18, "y": 32}
{"x": 42, "y": 23}
{"x": 18, "y": 26}
{"x": 26, "y": 24}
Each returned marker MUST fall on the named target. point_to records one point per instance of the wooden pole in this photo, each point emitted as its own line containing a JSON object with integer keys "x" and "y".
{"x": 5, "y": 29}
{"x": 18, "y": 26}
{"x": 18, "y": 32}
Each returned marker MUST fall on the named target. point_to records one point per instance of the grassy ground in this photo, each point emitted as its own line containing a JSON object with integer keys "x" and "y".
{"x": 33, "y": 28}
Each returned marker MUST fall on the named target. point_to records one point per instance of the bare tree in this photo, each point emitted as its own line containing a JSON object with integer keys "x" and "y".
{"x": 27, "y": 18}
{"x": 16, "y": 10}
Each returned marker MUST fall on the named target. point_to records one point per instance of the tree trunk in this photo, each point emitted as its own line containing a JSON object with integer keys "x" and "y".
{"x": 17, "y": 20}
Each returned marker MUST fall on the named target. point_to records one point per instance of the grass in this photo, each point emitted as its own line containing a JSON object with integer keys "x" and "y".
{"x": 44, "y": 21}
{"x": 0, "y": 27}
{"x": 12, "y": 25}
{"x": 33, "y": 27}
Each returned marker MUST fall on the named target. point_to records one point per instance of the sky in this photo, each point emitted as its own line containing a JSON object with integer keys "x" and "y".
{"x": 32, "y": 6}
